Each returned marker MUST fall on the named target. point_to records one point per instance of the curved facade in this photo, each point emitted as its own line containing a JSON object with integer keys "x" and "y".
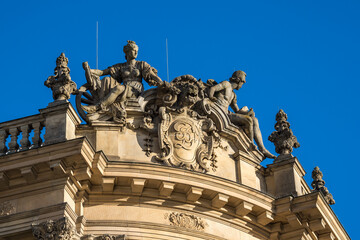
{"x": 171, "y": 163}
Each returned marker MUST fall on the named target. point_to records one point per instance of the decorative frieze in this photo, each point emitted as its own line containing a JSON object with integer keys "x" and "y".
{"x": 186, "y": 221}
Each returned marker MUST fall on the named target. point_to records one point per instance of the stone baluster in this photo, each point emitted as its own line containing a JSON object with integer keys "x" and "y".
{"x": 3, "y": 135}
{"x": 25, "y": 142}
{"x": 13, "y": 145}
{"x": 36, "y": 139}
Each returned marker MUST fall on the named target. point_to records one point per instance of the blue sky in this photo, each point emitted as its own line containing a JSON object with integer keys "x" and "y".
{"x": 299, "y": 56}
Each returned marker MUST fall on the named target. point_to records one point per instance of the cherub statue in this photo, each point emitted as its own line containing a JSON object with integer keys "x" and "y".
{"x": 223, "y": 94}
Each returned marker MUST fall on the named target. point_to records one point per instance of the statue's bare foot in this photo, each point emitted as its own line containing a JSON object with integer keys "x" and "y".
{"x": 90, "y": 108}
{"x": 267, "y": 154}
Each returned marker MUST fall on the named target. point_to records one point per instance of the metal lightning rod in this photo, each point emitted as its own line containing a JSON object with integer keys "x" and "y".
{"x": 97, "y": 45}
{"x": 167, "y": 60}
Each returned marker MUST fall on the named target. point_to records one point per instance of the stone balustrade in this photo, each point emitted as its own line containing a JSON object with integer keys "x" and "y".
{"x": 32, "y": 125}
{"x": 56, "y": 123}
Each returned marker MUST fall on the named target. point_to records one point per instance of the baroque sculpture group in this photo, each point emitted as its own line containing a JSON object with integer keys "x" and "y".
{"x": 180, "y": 113}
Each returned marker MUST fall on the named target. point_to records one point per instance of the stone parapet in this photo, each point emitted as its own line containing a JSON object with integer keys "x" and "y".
{"x": 61, "y": 121}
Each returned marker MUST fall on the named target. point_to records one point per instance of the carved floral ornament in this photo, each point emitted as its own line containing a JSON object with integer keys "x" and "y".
{"x": 185, "y": 220}
{"x": 6, "y": 208}
{"x": 60, "y": 229}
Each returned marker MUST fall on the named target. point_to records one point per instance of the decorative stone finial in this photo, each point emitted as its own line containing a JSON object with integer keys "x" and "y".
{"x": 283, "y": 138}
{"x": 61, "y": 83}
{"x": 54, "y": 230}
{"x": 319, "y": 185}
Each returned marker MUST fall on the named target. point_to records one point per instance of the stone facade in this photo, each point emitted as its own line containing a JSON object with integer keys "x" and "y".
{"x": 167, "y": 163}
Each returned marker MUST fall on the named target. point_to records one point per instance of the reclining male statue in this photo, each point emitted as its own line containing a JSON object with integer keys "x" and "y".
{"x": 223, "y": 93}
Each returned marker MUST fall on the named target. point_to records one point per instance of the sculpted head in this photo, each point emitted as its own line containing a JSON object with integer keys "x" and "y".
{"x": 238, "y": 79}
{"x": 131, "y": 50}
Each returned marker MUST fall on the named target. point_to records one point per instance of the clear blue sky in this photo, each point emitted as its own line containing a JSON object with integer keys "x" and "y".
{"x": 301, "y": 56}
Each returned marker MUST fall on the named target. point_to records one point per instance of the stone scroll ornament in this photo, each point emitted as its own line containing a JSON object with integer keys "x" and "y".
{"x": 60, "y": 229}
{"x": 283, "y": 138}
{"x": 318, "y": 184}
{"x": 186, "y": 221}
{"x": 187, "y": 137}
{"x": 61, "y": 84}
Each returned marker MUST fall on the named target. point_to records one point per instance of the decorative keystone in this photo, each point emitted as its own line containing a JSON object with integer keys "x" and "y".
{"x": 283, "y": 138}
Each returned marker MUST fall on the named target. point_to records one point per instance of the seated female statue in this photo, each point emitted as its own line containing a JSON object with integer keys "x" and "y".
{"x": 125, "y": 80}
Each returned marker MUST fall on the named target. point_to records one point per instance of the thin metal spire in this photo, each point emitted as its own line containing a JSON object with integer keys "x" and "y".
{"x": 167, "y": 60}
{"x": 97, "y": 45}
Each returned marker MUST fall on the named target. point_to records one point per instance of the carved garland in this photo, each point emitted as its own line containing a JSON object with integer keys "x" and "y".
{"x": 185, "y": 220}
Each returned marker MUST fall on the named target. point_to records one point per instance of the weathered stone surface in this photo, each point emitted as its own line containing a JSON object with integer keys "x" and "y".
{"x": 6, "y": 208}
{"x": 318, "y": 184}
{"x": 173, "y": 150}
{"x": 54, "y": 230}
{"x": 186, "y": 221}
{"x": 61, "y": 83}
{"x": 109, "y": 96}
{"x": 283, "y": 138}
{"x": 224, "y": 95}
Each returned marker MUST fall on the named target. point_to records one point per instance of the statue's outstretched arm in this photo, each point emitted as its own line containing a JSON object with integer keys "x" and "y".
{"x": 99, "y": 72}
